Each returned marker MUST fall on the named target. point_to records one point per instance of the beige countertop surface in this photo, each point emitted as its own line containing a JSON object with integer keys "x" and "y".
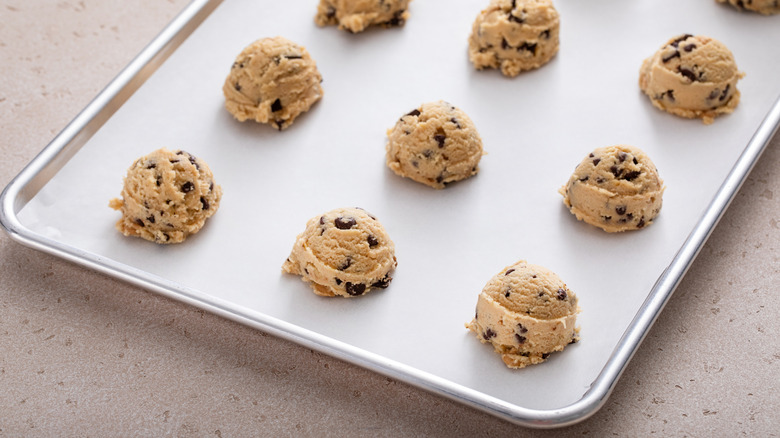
{"x": 82, "y": 354}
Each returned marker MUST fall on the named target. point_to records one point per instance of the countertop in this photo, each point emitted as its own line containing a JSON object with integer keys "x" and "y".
{"x": 82, "y": 354}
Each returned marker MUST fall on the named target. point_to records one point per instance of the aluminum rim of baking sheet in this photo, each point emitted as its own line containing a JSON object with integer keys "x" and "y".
{"x": 125, "y": 94}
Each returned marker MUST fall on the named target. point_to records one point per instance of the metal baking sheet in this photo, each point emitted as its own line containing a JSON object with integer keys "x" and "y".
{"x": 536, "y": 128}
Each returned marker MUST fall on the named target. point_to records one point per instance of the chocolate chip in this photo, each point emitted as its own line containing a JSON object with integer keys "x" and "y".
{"x": 345, "y": 223}
{"x": 596, "y": 161}
{"x": 159, "y": 180}
{"x": 668, "y": 58}
{"x": 545, "y": 355}
{"x": 520, "y": 339}
{"x": 616, "y": 171}
{"x": 187, "y": 187}
{"x": 606, "y": 218}
{"x": 338, "y": 281}
{"x": 276, "y": 106}
{"x": 383, "y": 283}
{"x": 139, "y": 222}
{"x": 714, "y": 94}
{"x": 194, "y": 161}
{"x": 427, "y": 153}
{"x": 599, "y": 180}
{"x": 689, "y": 47}
{"x": 630, "y": 216}
{"x": 631, "y": 175}
{"x": 293, "y": 56}
{"x": 725, "y": 93}
{"x": 204, "y": 203}
{"x": 322, "y": 220}
{"x": 372, "y": 241}
{"x": 347, "y": 263}
{"x": 505, "y": 45}
{"x": 529, "y": 47}
{"x": 237, "y": 86}
{"x": 545, "y": 34}
{"x": 174, "y": 161}
{"x": 355, "y": 289}
{"x": 622, "y": 156}
{"x": 440, "y": 178}
{"x": 584, "y": 178}
{"x": 414, "y": 112}
{"x": 561, "y": 294}
{"x": 680, "y": 39}
{"x": 489, "y": 333}
{"x": 621, "y": 210}
{"x": 641, "y": 222}
{"x": 151, "y": 165}
{"x": 509, "y": 271}
{"x": 521, "y": 328}
{"x": 279, "y": 123}
{"x": 516, "y": 19}
{"x": 440, "y": 139}
{"x": 397, "y": 19}
{"x": 508, "y": 292}
{"x": 670, "y": 95}
{"x": 331, "y": 12}
{"x": 687, "y": 73}
{"x": 635, "y": 161}
{"x": 457, "y": 125}
{"x": 533, "y": 276}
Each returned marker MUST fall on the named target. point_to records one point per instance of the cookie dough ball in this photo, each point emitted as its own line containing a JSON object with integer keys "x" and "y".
{"x": 344, "y": 252}
{"x": 272, "y": 81}
{"x": 615, "y": 188}
{"x": 166, "y": 197}
{"x": 526, "y": 312}
{"x": 693, "y": 77}
{"x": 435, "y": 144}
{"x": 356, "y": 15}
{"x": 765, "y": 7}
{"x": 514, "y": 35}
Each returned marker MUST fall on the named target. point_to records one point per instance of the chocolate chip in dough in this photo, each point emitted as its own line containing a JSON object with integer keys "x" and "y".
{"x": 345, "y": 223}
{"x": 355, "y": 289}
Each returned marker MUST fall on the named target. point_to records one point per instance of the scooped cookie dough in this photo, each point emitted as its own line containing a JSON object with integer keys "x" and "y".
{"x": 357, "y": 15}
{"x": 765, "y": 7}
{"x": 435, "y": 144}
{"x": 273, "y": 81}
{"x": 344, "y": 252}
{"x": 615, "y": 188}
{"x": 166, "y": 197}
{"x": 692, "y": 77}
{"x": 514, "y": 35}
{"x": 526, "y": 312}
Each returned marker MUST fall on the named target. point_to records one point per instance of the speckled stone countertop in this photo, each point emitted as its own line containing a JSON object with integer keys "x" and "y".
{"x": 86, "y": 355}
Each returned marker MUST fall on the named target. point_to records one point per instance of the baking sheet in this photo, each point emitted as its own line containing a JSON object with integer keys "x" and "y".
{"x": 535, "y": 128}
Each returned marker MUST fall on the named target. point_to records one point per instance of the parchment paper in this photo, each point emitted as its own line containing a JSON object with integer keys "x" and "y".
{"x": 536, "y": 128}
